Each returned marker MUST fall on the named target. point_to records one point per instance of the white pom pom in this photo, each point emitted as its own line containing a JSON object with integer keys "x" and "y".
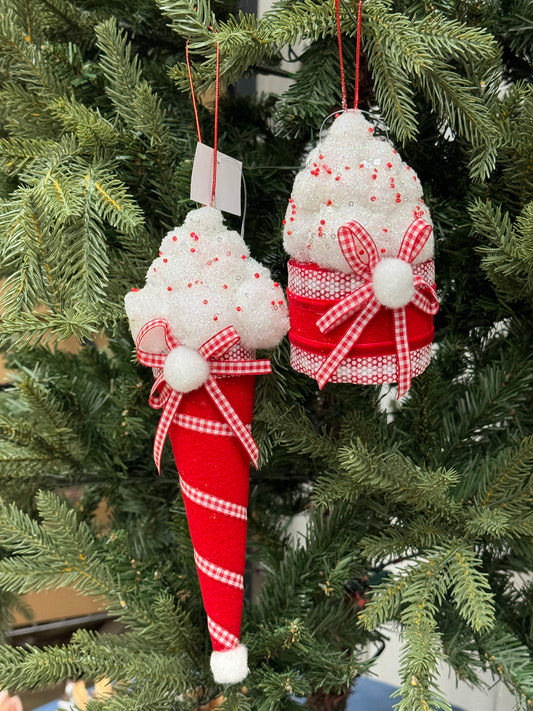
{"x": 392, "y": 280}
{"x": 185, "y": 369}
{"x": 230, "y": 667}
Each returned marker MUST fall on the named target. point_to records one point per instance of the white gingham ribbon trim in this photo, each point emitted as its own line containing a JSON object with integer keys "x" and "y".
{"x": 169, "y": 400}
{"x": 362, "y": 255}
{"x": 222, "y": 575}
{"x": 222, "y": 635}
{"x": 214, "y": 503}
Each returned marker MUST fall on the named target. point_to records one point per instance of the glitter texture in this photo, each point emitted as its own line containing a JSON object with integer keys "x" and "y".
{"x": 352, "y": 175}
{"x": 205, "y": 280}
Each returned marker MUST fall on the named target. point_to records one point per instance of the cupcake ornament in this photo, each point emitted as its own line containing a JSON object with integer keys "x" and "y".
{"x": 205, "y": 308}
{"x": 361, "y": 286}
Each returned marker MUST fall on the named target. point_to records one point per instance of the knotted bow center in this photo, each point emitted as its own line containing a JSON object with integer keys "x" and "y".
{"x": 388, "y": 282}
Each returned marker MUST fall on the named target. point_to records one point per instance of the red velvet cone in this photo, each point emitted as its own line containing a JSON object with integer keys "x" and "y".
{"x": 214, "y": 478}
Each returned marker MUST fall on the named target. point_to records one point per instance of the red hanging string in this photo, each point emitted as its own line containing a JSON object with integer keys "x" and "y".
{"x": 357, "y": 55}
{"x": 192, "y": 93}
{"x": 215, "y": 140}
{"x": 341, "y": 61}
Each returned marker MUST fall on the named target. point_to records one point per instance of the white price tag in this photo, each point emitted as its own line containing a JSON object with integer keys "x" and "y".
{"x": 228, "y": 187}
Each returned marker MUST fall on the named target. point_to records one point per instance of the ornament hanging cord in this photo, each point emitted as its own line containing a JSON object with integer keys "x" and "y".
{"x": 199, "y": 133}
{"x": 193, "y": 95}
{"x": 215, "y": 140}
{"x": 357, "y": 54}
{"x": 197, "y": 118}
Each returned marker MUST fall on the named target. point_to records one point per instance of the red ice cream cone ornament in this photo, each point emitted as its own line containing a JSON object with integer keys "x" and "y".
{"x": 361, "y": 286}
{"x": 207, "y": 305}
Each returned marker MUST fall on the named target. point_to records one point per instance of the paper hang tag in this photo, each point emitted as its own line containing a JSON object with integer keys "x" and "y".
{"x": 228, "y": 188}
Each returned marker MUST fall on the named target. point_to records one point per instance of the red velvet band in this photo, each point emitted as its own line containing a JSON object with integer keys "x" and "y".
{"x": 376, "y": 339}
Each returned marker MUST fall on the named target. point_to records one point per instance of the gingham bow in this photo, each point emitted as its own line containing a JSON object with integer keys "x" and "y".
{"x": 362, "y": 255}
{"x": 169, "y": 399}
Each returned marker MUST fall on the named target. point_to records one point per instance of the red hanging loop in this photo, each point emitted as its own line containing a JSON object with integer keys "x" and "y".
{"x": 341, "y": 61}
{"x": 215, "y": 141}
{"x": 217, "y": 95}
{"x": 357, "y": 55}
{"x": 192, "y": 93}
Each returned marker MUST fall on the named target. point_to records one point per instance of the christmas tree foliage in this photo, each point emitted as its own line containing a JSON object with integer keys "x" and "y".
{"x": 97, "y": 140}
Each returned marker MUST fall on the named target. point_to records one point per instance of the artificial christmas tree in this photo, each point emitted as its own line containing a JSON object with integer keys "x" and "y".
{"x": 97, "y": 145}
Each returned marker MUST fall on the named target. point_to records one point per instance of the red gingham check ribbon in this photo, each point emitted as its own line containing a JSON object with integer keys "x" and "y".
{"x": 362, "y": 255}
{"x": 222, "y": 575}
{"x": 221, "y": 634}
{"x": 213, "y": 503}
{"x": 169, "y": 400}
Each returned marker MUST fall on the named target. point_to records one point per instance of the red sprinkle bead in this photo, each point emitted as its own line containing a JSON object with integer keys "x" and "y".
{"x": 280, "y": 301}
{"x": 273, "y": 303}
{"x": 373, "y": 198}
{"x": 383, "y": 250}
{"x": 169, "y": 288}
{"x": 276, "y": 284}
{"x": 321, "y": 156}
{"x": 291, "y": 219}
{"x": 389, "y": 165}
{"x": 165, "y": 260}
{"x": 189, "y": 285}
{"x": 338, "y": 178}
{"x": 205, "y": 301}
{"x": 239, "y": 308}
{"x": 284, "y": 222}
{"x": 256, "y": 275}
{"x": 361, "y": 251}
{"x": 289, "y": 232}
{"x": 328, "y": 202}
{"x": 174, "y": 238}
{"x": 243, "y": 256}
{"x": 361, "y": 165}
{"x": 215, "y": 318}
{"x": 370, "y": 130}
{"x": 134, "y": 288}
{"x": 322, "y": 222}
{"x": 346, "y": 167}
{"x": 374, "y": 177}
{"x": 225, "y": 286}
{"x": 192, "y": 249}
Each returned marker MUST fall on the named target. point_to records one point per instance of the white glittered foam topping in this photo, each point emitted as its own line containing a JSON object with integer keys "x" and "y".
{"x": 352, "y": 175}
{"x": 205, "y": 280}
